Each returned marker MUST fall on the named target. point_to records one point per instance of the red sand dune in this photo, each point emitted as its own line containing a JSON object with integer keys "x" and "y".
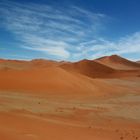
{"x": 52, "y": 80}
{"x": 13, "y": 64}
{"x": 118, "y": 62}
{"x": 59, "y": 77}
{"x": 89, "y": 68}
{"x": 20, "y": 65}
{"x": 43, "y": 63}
{"x": 96, "y": 69}
{"x": 85, "y": 100}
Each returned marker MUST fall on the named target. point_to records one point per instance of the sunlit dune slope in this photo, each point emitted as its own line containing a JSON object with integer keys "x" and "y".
{"x": 21, "y": 65}
{"x": 83, "y": 77}
{"x": 118, "y": 62}
{"x": 49, "y": 80}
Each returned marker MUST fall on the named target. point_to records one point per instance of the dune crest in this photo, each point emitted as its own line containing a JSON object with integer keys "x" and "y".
{"x": 49, "y": 100}
{"x": 117, "y": 62}
{"x": 89, "y": 68}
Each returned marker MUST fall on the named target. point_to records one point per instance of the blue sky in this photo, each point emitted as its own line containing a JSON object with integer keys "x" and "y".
{"x": 69, "y": 29}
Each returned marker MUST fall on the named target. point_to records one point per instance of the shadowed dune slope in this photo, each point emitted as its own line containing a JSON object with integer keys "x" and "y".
{"x": 85, "y": 100}
{"x": 50, "y": 80}
{"x": 55, "y": 81}
{"x": 118, "y": 62}
{"x": 88, "y": 68}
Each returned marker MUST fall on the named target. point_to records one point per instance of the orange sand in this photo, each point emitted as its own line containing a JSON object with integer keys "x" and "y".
{"x": 86, "y": 100}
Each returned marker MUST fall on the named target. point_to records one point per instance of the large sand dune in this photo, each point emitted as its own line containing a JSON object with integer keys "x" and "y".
{"x": 89, "y": 68}
{"x": 85, "y": 100}
{"x": 118, "y": 62}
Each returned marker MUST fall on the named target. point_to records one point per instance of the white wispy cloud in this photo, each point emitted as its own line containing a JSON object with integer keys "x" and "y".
{"x": 100, "y": 47}
{"x": 65, "y": 33}
{"x": 49, "y": 29}
{"x": 51, "y": 47}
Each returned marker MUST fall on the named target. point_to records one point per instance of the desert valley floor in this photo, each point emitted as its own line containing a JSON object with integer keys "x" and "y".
{"x": 86, "y": 100}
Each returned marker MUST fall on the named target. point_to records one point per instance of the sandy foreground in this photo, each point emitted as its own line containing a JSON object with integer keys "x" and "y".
{"x": 55, "y": 104}
{"x": 28, "y": 117}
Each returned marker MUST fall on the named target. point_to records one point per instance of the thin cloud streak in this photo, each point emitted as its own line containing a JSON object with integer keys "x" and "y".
{"x": 68, "y": 33}
{"x": 47, "y": 28}
{"x": 101, "y": 47}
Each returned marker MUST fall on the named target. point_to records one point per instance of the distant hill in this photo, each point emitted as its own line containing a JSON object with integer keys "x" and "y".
{"x": 117, "y": 62}
{"x": 82, "y": 77}
{"x": 89, "y": 68}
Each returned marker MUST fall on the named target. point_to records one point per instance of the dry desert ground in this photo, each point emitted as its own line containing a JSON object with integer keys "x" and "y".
{"x": 86, "y": 100}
